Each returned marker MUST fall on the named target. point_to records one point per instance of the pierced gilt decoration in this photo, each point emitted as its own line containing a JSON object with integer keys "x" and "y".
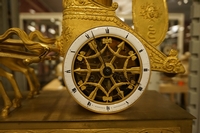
{"x": 107, "y": 71}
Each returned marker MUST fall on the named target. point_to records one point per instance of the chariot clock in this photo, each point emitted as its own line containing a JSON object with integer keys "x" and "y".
{"x": 107, "y": 64}
{"x": 106, "y": 69}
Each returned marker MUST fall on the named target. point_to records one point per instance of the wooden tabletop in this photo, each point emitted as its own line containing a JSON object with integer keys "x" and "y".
{"x": 60, "y": 106}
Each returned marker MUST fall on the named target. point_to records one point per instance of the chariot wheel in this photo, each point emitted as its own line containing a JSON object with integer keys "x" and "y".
{"x": 106, "y": 69}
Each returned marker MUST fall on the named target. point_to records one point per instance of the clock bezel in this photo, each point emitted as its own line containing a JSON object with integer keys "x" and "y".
{"x": 69, "y": 79}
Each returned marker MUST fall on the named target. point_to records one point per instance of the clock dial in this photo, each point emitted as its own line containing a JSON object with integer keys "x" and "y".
{"x": 106, "y": 69}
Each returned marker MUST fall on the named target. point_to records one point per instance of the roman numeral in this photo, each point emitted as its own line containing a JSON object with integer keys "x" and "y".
{"x": 141, "y": 50}
{"x": 127, "y": 35}
{"x": 140, "y": 88}
{"x": 87, "y": 36}
{"x": 107, "y": 31}
{"x": 68, "y": 71}
{"x": 72, "y": 51}
{"x": 146, "y": 69}
{"x": 89, "y": 103}
{"x": 107, "y": 108}
{"x": 74, "y": 90}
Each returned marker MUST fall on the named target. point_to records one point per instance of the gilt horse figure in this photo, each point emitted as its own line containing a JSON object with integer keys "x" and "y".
{"x": 17, "y": 55}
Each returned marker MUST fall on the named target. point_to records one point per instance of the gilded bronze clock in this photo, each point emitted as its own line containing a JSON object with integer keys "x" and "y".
{"x": 107, "y": 64}
{"x": 106, "y": 69}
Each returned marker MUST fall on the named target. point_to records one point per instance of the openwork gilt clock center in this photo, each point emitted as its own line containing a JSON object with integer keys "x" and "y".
{"x": 107, "y": 71}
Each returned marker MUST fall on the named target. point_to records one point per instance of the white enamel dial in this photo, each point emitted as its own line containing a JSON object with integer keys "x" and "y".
{"x": 106, "y": 69}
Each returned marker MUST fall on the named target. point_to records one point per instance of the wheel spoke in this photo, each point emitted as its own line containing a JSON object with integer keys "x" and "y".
{"x": 120, "y": 47}
{"x": 109, "y": 84}
{"x": 120, "y": 93}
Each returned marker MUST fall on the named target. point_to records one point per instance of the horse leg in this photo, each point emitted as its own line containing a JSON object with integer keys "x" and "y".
{"x": 34, "y": 80}
{"x": 18, "y": 65}
{"x": 7, "y": 102}
{"x": 28, "y": 72}
{"x": 18, "y": 95}
{"x": 28, "y": 77}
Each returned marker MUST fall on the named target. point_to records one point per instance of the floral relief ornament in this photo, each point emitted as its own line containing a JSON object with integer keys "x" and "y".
{"x": 150, "y": 11}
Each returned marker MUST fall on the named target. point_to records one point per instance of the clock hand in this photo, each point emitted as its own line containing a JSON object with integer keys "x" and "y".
{"x": 97, "y": 49}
